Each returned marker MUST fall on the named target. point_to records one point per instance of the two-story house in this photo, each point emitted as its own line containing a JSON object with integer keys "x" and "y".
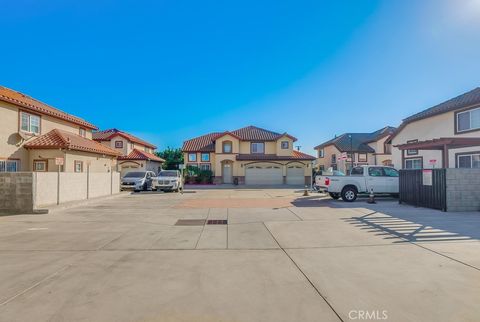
{"x": 35, "y": 136}
{"x": 446, "y": 135}
{"x": 360, "y": 149}
{"x": 136, "y": 154}
{"x": 249, "y": 155}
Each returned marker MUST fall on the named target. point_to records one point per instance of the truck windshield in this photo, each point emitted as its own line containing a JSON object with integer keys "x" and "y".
{"x": 167, "y": 174}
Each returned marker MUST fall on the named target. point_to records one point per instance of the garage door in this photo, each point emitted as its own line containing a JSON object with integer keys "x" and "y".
{"x": 295, "y": 175}
{"x": 267, "y": 175}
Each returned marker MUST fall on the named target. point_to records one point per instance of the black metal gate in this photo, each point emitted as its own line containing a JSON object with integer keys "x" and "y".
{"x": 414, "y": 191}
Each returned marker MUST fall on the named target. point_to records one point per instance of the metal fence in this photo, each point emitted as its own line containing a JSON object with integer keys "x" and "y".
{"x": 424, "y": 188}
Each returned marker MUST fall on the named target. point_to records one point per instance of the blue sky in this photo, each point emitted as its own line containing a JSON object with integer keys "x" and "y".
{"x": 171, "y": 70}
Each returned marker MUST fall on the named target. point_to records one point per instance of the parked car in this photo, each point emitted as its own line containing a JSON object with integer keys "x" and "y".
{"x": 168, "y": 180}
{"x": 137, "y": 180}
{"x": 362, "y": 180}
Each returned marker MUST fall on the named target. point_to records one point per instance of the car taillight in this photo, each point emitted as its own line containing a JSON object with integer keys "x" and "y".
{"x": 327, "y": 181}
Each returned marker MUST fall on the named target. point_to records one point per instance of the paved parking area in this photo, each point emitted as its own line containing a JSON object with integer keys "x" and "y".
{"x": 281, "y": 257}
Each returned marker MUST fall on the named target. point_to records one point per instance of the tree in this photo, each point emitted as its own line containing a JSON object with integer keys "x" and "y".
{"x": 173, "y": 158}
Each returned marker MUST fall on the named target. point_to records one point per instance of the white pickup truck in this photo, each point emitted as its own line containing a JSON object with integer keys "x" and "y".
{"x": 362, "y": 180}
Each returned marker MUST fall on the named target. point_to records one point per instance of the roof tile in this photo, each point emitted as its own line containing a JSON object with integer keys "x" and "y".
{"x": 141, "y": 155}
{"x": 29, "y": 103}
{"x": 60, "y": 139}
{"x": 107, "y": 135}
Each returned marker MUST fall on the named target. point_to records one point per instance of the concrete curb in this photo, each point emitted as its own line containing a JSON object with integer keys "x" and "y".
{"x": 55, "y": 208}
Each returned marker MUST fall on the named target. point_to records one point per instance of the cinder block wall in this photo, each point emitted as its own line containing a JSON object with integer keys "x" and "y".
{"x": 16, "y": 192}
{"x": 463, "y": 189}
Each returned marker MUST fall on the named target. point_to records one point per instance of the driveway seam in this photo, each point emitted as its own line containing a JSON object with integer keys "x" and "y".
{"x": 305, "y": 275}
{"x": 35, "y": 285}
{"x": 446, "y": 256}
{"x": 203, "y": 229}
{"x": 294, "y": 214}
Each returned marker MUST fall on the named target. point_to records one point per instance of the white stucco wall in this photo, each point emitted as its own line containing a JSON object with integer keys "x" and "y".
{"x": 435, "y": 127}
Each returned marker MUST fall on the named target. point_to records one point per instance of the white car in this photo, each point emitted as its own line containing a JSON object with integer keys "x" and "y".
{"x": 168, "y": 180}
{"x": 362, "y": 180}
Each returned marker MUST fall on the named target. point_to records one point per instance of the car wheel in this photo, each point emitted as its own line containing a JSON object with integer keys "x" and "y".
{"x": 334, "y": 195}
{"x": 349, "y": 194}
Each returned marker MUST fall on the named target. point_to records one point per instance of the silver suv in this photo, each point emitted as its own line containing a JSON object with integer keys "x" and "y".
{"x": 168, "y": 180}
{"x": 137, "y": 180}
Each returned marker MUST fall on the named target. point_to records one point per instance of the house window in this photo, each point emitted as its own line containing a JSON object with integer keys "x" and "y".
{"x": 205, "y": 157}
{"x": 412, "y": 152}
{"x": 362, "y": 157}
{"x": 205, "y": 166}
{"x": 416, "y": 163}
{"x": 227, "y": 147}
{"x": 468, "y": 120}
{"x": 119, "y": 144}
{"x": 258, "y": 147}
{"x": 468, "y": 161}
{"x": 30, "y": 123}
{"x": 349, "y": 156}
{"x": 192, "y": 157}
{"x": 285, "y": 144}
{"x": 8, "y": 165}
{"x": 40, "y": 165}
{"x": 82, "y": 132}
{"x": 321, "y": 153}
{"x": 334, "y": 158}
{"x": 78, "y": 166}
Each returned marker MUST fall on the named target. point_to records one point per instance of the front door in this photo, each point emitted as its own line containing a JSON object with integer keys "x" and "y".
{"x": 227, "y": 173}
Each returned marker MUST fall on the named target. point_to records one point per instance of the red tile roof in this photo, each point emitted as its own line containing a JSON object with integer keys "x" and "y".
{"x": 31, "y": 104}
{"x": 107, "y": 135}
{"x": 59, "y": 139}
{"x": 296, "y": 155}
{"x": 141, "y": 155}
{"x": 206, "y": 143}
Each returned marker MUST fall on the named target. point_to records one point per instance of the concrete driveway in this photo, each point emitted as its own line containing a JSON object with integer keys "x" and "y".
{"x": 281, "y": 257}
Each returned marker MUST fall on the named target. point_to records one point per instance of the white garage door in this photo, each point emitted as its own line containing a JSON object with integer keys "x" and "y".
{"x": 267, "y": 175}
{"x": 295, "y": 175}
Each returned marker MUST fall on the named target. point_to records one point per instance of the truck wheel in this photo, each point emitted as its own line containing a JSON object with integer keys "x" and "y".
{"x": 349, "y": 194}
{"x": 334, "y": 195}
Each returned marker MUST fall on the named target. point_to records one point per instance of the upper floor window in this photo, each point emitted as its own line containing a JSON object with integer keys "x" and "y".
{"x": 30, "y": 123}
{"x": 412, "y": 152}
{"x": 285, "y": 145}
{"x": 192, "y": 157}
{"x": 334, "y": 158}
{"x": 205, "y": 157}
{"x": 82, "y": 132}
{"x": 321, "y": 153}
{"x": 119, "y": 144}
{"x": 227, "y": 146}
{"x": 258, "y": 147}
{"x": 468, "y": 120}
{"x": 349, "y": 156}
